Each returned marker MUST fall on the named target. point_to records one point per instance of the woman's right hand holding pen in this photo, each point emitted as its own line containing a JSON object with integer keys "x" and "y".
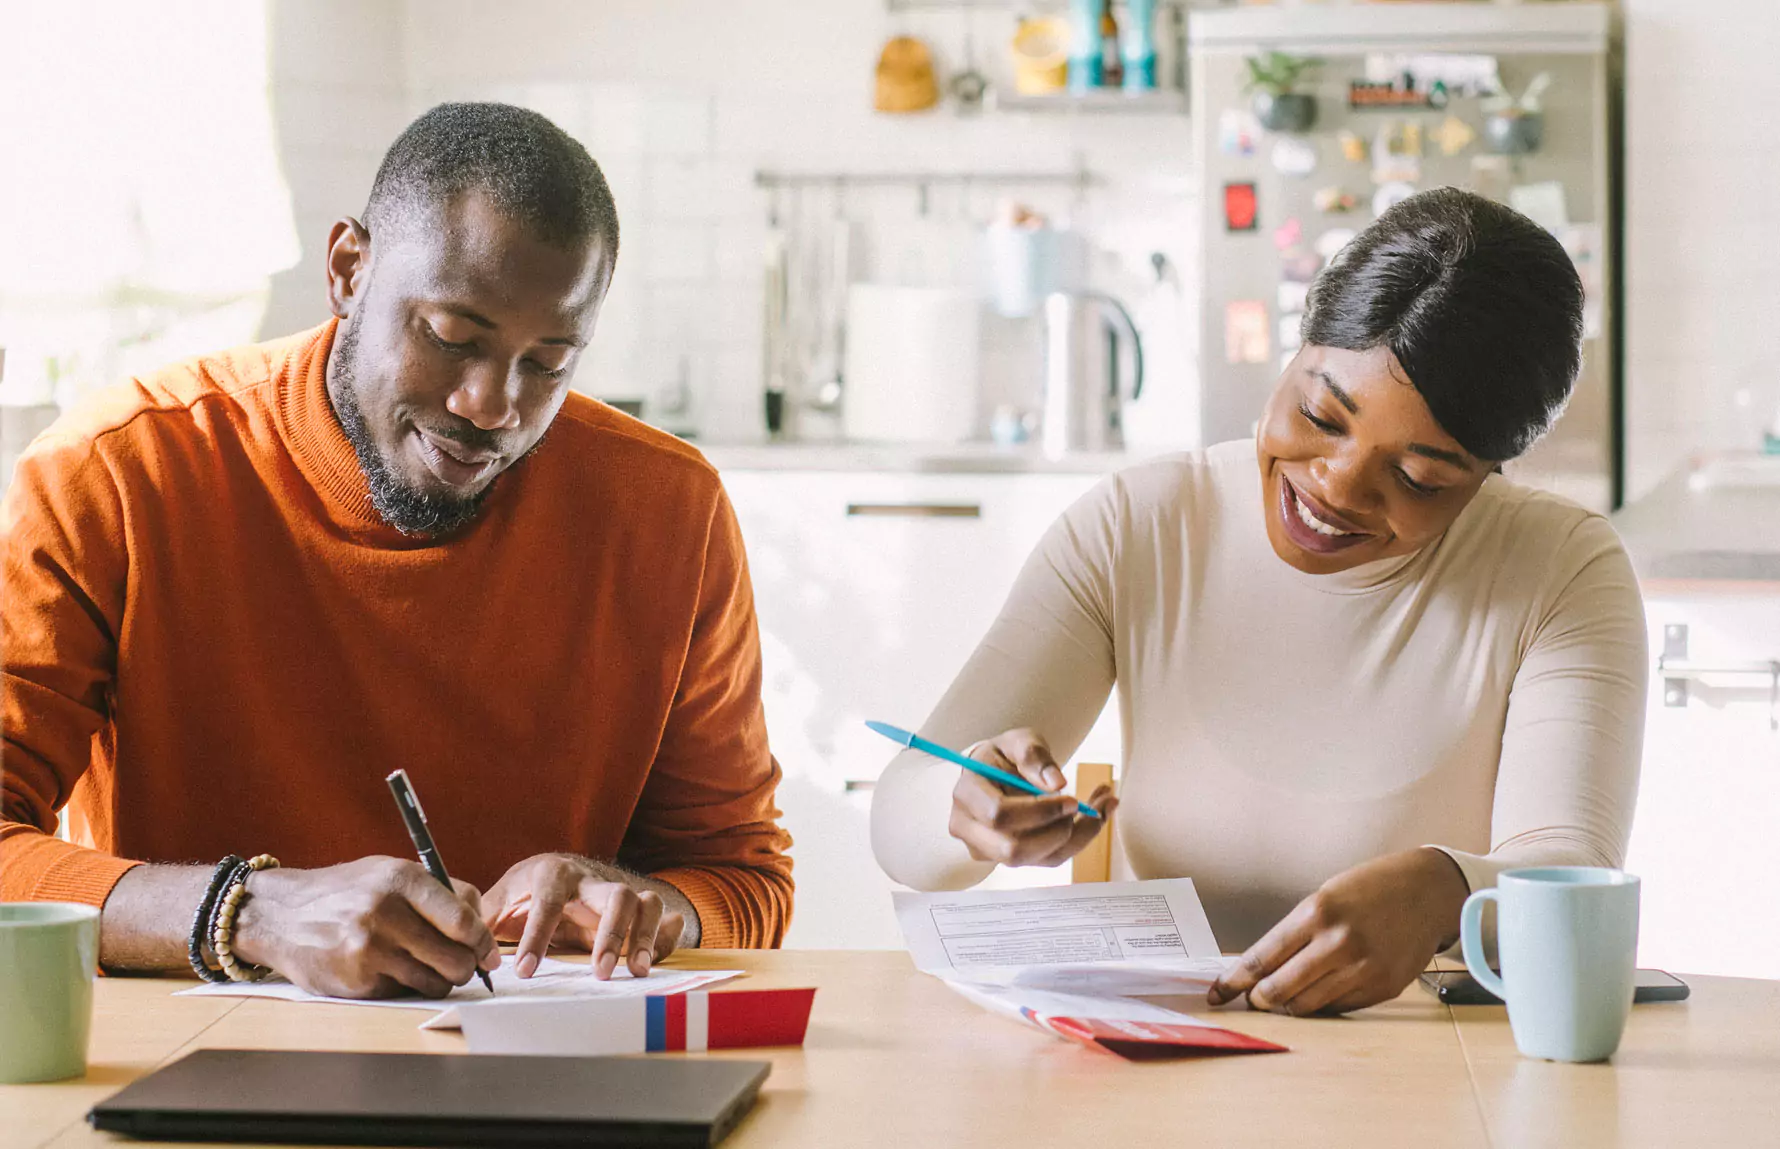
{"x": 1012, "y": 829}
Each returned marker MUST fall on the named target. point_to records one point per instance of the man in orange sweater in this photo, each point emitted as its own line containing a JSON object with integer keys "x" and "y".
{"x": 241, "y": 591}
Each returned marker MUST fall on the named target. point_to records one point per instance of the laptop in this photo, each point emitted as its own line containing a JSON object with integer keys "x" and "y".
{"x": 435, "y": 1099}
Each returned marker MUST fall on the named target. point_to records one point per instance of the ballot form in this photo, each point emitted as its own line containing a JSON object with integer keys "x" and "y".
{"x": 1112, "y": 937}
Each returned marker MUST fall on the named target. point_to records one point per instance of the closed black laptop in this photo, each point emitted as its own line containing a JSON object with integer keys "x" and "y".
{"x": 435, "y": 1099}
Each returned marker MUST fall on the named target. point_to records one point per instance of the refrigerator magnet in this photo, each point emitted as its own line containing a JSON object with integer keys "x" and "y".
{"x": 1241, "y": 207}
{"x": 1294, "y": 156}
{"x": 1245, "y": 331}
{"x": 1299, "y": 266}
{"x": 1353, "y": 146}
{"x": 1453, "y": 136}
{"x": 1288, "y": 234}
{"x": 1393, "y": 161}
{"x": 1390, "y": 195}
{"x": 1333, "y": 240}
{"x": 1289, "y": 337}
{"x": 1543, "y": 203}
{"x": 1334, "y": 200}
{"x": 1238, "y": 131}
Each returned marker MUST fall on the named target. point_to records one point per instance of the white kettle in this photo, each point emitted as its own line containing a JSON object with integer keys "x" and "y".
{"x": 1085, "y": 372}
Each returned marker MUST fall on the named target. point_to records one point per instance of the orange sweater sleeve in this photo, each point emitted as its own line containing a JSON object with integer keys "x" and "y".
{"x": 706, "y": 822}
{"x": 65, "y": 572}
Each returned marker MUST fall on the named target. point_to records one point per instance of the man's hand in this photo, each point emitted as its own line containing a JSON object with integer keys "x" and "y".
{"x": 1358, "y": 941}
{"x": 570, "y": 901}
{"x": 376, "y": 927}
{"x": 1022, "y": 829}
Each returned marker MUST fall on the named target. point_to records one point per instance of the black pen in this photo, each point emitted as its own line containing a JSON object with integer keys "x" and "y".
{"x": 415, "y": 819}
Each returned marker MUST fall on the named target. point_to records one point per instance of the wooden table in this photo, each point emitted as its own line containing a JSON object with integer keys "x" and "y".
{"x": 894, "y": 1058}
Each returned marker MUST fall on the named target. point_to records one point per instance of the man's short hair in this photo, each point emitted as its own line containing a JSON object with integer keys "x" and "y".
{"x": 531, "y": 169}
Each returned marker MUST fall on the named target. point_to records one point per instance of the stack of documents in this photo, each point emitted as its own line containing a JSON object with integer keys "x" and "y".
{"x": 553, "y": 980}
{"x": 1094, "y": 963}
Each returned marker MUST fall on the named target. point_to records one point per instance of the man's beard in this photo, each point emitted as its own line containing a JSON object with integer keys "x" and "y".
{"x": 406, "y": 508}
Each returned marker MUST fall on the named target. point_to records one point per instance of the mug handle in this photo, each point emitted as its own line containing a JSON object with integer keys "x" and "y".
{"x": 1471, "y": 942}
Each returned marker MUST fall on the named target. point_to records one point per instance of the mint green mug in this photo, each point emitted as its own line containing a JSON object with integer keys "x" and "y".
{"x": 49, "y": 953}
{"x": 1567, "y": 939}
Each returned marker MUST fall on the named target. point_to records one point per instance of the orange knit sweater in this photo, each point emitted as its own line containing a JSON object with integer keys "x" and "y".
{"x": 214, "y": 646}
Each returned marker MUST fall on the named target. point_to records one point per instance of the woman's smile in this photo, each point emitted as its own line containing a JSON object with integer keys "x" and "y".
{"x": 1314, "y": 527}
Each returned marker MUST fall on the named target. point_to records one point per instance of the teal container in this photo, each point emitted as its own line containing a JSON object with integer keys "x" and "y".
{"x": 1087, "y": 69}
{"x": 1138, "y": 45}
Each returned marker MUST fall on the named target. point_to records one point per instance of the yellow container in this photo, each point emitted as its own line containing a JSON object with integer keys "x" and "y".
{"x": 1041, "y": 56}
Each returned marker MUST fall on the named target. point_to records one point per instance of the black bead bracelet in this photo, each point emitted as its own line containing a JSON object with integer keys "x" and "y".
{"x": 219, "y": 881}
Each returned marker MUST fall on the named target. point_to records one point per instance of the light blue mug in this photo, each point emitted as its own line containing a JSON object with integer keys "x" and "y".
{"x": 1567, "y": 937}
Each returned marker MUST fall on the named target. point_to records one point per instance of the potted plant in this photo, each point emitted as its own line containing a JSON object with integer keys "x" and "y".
{"x": 1514, "y": 127}
{"x": 1272, "y": 78}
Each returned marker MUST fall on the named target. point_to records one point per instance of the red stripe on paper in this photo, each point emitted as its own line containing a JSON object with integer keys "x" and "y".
{"x": 676, "y": 1022}
{"x": 747, "y": 1018}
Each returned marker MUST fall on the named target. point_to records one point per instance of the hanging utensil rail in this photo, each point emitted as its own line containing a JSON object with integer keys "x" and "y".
{"x": 1080, "y": 179}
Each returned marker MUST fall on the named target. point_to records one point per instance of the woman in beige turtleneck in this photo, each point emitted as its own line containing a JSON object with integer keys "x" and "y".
{"x": 1356, "y": 680}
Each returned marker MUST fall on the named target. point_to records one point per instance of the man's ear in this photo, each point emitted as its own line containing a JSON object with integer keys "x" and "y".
{"x": 348, "y": 262}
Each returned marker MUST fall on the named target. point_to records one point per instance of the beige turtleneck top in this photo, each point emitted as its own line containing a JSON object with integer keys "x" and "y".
{"x": 1485, "y": 694}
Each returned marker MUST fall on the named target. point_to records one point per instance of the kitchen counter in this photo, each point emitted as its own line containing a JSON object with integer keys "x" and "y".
{"x": 1713, "y": 526}
{"x": 910, "y": 458}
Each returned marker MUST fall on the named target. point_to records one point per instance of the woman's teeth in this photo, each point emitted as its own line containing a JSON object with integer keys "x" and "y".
{"x": 1313, "y": 522}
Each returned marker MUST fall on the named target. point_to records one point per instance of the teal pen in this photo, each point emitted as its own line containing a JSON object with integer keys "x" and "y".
{"x": 934, "y": 749}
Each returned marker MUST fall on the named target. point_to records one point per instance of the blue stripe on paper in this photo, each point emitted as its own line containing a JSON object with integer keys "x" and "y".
{"x": 655, "y": 1029}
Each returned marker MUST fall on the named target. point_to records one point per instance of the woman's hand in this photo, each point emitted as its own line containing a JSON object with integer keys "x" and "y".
{"x": 1357, "y": 941}
{"x": 1014, "y": 829}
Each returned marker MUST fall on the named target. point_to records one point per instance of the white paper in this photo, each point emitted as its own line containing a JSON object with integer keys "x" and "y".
{"x": 1122, "y": 938}
{"x": 1015, "y": 1002}
{"x": 552, "y": 979}
{"x": 589, "y": 1027}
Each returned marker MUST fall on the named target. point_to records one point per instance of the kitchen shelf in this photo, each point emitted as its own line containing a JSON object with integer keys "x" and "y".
{"x": 1007, "y": 5}
{"x": 1098, "y": 101}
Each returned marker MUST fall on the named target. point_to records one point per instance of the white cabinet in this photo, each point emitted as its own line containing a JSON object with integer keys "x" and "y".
{"x": 872, "y": 590}
{"x": 1706, "y": 842}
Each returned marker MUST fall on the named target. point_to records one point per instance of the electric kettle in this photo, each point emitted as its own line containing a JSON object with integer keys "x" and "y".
{"x": 1085, "y": 371}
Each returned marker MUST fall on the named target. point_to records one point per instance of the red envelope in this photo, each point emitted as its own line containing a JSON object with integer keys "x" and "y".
{"x": 1151, "y": 1040}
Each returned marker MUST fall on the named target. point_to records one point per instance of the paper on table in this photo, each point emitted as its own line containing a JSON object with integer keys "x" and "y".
{"x": 1133, "y": 1029}
{"x": 1120, "y": 938}
{"x": 553, "y": 978}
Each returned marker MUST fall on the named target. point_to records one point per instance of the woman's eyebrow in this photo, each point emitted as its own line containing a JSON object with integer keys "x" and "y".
{"x": 1452, "y": 457}
{"x": 1353, "y": 408}
{"x": 1341, "y": 396}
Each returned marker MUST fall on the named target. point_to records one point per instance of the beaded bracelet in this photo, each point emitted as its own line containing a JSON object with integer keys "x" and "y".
{"x": 200, "y": 935}
{"x": 222, "y": 921}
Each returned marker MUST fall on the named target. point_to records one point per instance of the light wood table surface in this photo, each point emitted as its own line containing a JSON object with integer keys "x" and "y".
{"x": 894, "y": 1058}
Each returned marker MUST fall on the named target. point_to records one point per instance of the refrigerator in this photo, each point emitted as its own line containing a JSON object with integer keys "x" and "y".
{"x": 1407, "y": 96}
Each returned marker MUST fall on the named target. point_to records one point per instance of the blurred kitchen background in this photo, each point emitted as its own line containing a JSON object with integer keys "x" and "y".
{"x": 915, "y": 274}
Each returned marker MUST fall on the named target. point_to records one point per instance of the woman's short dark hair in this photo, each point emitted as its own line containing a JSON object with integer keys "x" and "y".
{"x": 1480, "y": 305}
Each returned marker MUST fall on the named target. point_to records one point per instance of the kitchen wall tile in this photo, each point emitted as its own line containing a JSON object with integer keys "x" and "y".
{"x": 354, "y": 118}
{"x": 675, "y": 252}
{"x": 676, "y": 125}
{"x": 328, "y": 181}
{"x": 612, "y": 120}
{"x": 356, "y": 43}
{"x": 702, "y": 188}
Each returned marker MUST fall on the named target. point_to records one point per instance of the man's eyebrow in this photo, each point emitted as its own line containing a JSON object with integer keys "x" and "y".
{"x": 1428, "y": 452}
{"x": 486, "y": 323}
{"x": 475, "y": 317}
{"x": 1343, "y": 397}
